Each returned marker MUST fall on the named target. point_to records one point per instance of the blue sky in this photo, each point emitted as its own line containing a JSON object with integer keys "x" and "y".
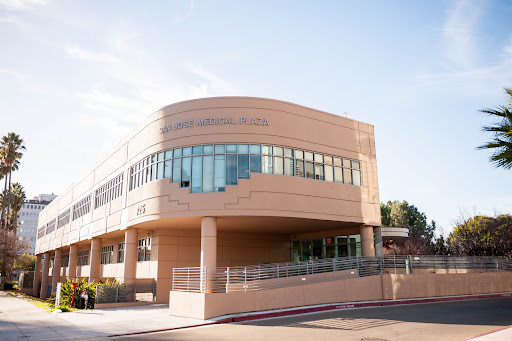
{"x": 77, "y": 76}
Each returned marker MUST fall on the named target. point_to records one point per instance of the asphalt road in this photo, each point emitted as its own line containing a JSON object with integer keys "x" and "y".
{"x": 432, "y": 321}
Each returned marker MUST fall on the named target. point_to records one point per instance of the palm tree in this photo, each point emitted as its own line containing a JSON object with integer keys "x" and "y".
{"x": 501, "y": 144}
{"x": 10, "y": 154}
{"x": 17, "y": 200}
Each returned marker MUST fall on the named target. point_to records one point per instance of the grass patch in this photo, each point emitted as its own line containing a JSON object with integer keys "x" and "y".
{"x": 37, "y": 301}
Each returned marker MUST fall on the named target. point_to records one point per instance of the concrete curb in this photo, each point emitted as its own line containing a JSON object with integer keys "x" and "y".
{"x": 487, "y": 333}
{"x": 326, "y": 307}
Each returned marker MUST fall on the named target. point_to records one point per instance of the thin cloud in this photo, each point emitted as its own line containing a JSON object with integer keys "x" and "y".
{"x": 79, "y": 53}
{"x": 459, "y": 32}
{"x": 22, "y": 5}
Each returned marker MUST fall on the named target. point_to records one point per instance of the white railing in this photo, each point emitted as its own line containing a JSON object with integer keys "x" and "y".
{"x": 278, "y": 275}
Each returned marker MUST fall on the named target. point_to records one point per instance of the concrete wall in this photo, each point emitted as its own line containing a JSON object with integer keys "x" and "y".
{"x": 382, "y": 287}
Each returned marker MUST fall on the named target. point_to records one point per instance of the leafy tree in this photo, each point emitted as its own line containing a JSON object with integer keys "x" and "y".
{"x": 11, "y": 247}
{"x": 501, "y": 144}
{"x": 483, "y": 236}
{"x": 25, "y": 262}
{"x": 11, "y": 146}
{"x": 421, "y": 233}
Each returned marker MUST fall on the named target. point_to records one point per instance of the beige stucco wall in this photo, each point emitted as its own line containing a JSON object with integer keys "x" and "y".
{"x": 263, "y": 195}
{"x": 382, "y": 287}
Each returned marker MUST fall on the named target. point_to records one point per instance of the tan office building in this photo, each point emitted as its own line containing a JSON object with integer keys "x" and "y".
{"x": 211, "y": 182}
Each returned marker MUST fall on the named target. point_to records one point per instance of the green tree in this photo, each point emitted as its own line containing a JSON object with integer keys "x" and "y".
{"x": 11, "y": 146}
{"x": 421, "y": 233}
{"x": 483, "y": 236}
{"x": 25, "y": 262}
{"x": 17, "y": 200}
{"x": 501, "y": 130}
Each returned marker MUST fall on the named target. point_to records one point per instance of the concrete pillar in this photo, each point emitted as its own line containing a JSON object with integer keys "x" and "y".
{"x": 37, "y": 276}
{"x": 209, "y": 248}
{"x": 73, "y": 261}
{"x": 367, "y": 247}
{"x": 57, "y": 265}
{"x": 130, "y": 256}
{"x": 379, "y": 252}
{"x": 94, "y": 272}
{"x": 44, "y": 279}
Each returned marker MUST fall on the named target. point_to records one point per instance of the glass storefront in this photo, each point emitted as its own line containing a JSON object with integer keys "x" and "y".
{"x": 329, "y": 247}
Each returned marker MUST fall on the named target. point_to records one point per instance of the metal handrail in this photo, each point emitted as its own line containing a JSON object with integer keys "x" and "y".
{"x": 277, "y": 275}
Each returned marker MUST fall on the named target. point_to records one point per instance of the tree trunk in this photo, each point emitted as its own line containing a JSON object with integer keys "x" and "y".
{"x": 2, "y": 220}
{"x": 9, "y": 200}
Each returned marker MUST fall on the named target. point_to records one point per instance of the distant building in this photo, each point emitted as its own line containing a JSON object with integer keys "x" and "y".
{"x": 29, "y": 215}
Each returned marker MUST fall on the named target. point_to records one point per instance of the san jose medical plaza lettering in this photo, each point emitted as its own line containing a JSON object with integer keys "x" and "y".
{"x": 214, "y": 121}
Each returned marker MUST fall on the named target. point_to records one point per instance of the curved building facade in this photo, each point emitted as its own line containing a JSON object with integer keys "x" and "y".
{"x": 216, "y": 182}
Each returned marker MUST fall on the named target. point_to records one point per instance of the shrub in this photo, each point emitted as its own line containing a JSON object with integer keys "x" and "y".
{"x": 9, "y": 285}
{"x": 66, "y": 293}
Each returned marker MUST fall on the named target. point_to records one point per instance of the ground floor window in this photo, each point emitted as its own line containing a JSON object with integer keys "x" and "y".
{"x": 329, "y": 247}
{"x": 144, "y": 249}
{"x": 65, "y": 261}
{"x": 83, "y": 258}
{"x": 107, "y": 254}
{"x": 120, "y": 253}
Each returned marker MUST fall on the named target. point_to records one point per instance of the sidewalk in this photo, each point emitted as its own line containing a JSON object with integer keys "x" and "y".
{"x": 21, "y": 320}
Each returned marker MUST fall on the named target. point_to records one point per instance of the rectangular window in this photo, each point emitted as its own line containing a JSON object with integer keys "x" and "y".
{"x": 310, "y": 170}
{"x": 278, "y": 151}
{"x": 107, "y": 254}
{"x": 255, "y": 163}
{"x": 65, "y": 261}
{"x": 185, "y": 171}
{"x": 144, "y": 249}
{"x": 329, "y": 175}
{"x": 231, "y": 148}
{"x": 176, "y": 153}
{"x": 278, "y": 165}
{"x": 347, "y": 175}
{"x": 219, "y": 184}
{"x": 186, "y": 151}
{"x": 110, "y": 191}
{"x": 243, "y": 149}
{"x": 308, "y": 156}
{"x": 288, "y": 167}
{"x": 243, "y": 166}
{"x": 196, "y": 174}
{"x": 82, "y": 207}
{"x": 208, "y": 149}
{"x": 50, "y": 227}
{"x": 319, "y": 158}
{"x": 64, "y": 218}
{"x": 299, "y": 168}
{"x": 176, "y": 170}
{"x": 266, "y": 164}
{"x": 319, "y": 171}
{"x": 197, "y": 150}
{"x": 255, "y": 149}
{"x": 168, "y": 154}
{"x": 338, "y": 175}
{"x": 220, "y": 149}
{"x": 346, "y": 163}
{"x": 160, "y": 170}
{"x": 83, "y": 258}
{"x": 328, "y": 160}
{"x": 120, "y": 253}
{"x": 231, "y": 170}
{"x": 208, "y": 173}
{"x": 168, "y": 169}
{"x": 266, "y": 150}
{"x": 356, "y": 177}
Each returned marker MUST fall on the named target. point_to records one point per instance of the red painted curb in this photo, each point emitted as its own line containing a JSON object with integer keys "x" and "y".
{"x": 329, "y": 307}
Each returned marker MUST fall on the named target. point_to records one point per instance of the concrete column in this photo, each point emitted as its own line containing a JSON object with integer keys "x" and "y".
{"x": 37, "y": 276}
{"x": 94, "y": 271}
{"x": 44, "y": 280}
{"x": 367, "y": 248}
{"x": 208, "y": 248}
{"x": 73, "y": 260}
{"x": 379, "y": 252}
{"x": 57, "y": 265}
{"x": 130, "y": 256}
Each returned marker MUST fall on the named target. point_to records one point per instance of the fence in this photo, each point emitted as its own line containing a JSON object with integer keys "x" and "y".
{"x": 26, "y": 280}
{"x": 125, "y": 293}
{"x": 277, "y": 275}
